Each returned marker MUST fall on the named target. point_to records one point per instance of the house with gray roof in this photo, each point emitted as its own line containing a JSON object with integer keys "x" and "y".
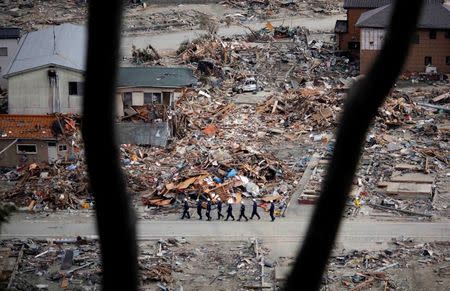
{"x": 346, "y": 32}
{"x": 431, "y": 44}
{"x": 47, "y": 71}
{"x": 9, "y": 41}
{"x": 140, "y": 86}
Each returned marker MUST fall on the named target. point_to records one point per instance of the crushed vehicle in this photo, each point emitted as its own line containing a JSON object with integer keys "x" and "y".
{"x": 247, "y": 85}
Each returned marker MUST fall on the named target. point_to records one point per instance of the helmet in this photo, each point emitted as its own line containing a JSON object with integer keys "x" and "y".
{"x": 185, "y": 199}
{"x": 242, "y": 202}
{"x": 218, "y": 198}
{"x": 208, "y": 199}
{"x": 254, "y": 199}
{"x": 197, "y": 200}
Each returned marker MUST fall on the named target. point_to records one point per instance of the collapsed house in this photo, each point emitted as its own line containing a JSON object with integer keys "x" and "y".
{"x": 145, "y": 101}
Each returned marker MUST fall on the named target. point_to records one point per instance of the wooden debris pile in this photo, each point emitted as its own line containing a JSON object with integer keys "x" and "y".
{"x": 145, "y": 55}
{"x": 311, "y": 106}
{"x": 205, "y": 47}
{"x": 40, "y": 186}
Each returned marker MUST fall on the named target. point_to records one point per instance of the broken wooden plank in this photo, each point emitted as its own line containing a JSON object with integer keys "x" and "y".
{"x": 409, "y": 167}
{"x": 441, "y": 97}
{"x": 409, "y": 190}
{"x": 399, "y": 210}
{"x": 413, "y": 178}
{"x": 364, "y": 284}
{"x": 16, "y": 268}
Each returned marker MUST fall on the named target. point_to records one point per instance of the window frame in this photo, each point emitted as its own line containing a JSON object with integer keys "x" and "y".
{"x": 5, "y": 50}
{"x": 447, "y": 33}
{"x": 79, "y": 86}
{"x": 127, "y": 96}
{"x": 62, "y": 145}
{"x": 26, "y": 152}
{"x": 432, "y": 34}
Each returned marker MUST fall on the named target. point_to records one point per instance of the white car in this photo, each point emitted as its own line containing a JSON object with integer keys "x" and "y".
{"x": 248, "y": 85}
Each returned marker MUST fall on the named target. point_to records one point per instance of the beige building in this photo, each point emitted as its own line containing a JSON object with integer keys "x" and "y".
{"x": 47, "y": 72}
{"x": 9, "y": 41}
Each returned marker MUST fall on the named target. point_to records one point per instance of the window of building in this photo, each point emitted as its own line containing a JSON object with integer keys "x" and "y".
{"x": 353, "y": 45}
{"x": 428, "y": 61}
{"x": 415, "y": 39}
{"x": 447, "y": 60}
{"x": 447, "y": 33}
{"x": 62, "y": 147}
{"x": 26, "y": 149}
{"x": 76, "y": 88}
{"x": 432, "y": 34}
{"x": 3, "y": 51}
{"x": 152, "y": 98}
{"x": 127, "y": 99}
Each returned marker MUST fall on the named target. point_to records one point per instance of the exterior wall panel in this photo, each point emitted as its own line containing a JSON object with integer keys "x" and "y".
{"x": 353, "y": 33}
{"x": 10, "y": 158}
{"x": 438, "y": 49}
{"x": 30, "y": 92}
{"x": 5, "y": 61}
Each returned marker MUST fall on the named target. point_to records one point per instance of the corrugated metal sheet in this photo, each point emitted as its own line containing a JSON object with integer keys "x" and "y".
{"x": 63, "y": 45}
{"x": 154, "y": 134}
{"x": 159, "y": 77}
{"x": 26, "y": 126}
{"x": 433, "y": 16}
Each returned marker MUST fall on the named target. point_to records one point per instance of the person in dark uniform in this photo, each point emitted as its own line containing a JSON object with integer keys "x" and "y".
{"x": 199, "y": 209}
{"x": 242, "y": 214}
{"x": 229, "y": 212}
{"x": 255, "y": 210}
{"x": 186, "y": 209}
{"x": 219, "y": 208}
{"x": 272, "y": 210}
{"x": 208, "y": 210}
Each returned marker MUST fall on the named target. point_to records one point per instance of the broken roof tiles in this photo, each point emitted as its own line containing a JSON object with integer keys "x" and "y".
{"x": 27, "y": 126}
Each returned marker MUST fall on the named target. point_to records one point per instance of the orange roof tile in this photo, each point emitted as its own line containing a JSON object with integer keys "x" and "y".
{"x": 26, "y": 126}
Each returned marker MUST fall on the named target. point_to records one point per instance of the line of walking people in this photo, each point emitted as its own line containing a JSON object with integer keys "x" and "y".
{"x": 229, "y": 210}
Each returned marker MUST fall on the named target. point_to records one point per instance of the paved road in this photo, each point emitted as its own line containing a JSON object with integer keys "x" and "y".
{"x": 282, "y": 234}
{"x": 172, "y": 40}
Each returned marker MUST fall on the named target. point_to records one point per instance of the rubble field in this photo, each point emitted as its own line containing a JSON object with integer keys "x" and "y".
{"x": 260, "y": 149}
{"x": 31, "y": 15}
{"x": 177, "y": 264}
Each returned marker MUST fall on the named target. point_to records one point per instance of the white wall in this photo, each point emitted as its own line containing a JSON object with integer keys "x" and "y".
{"x": 372, "y": 38}
{"x": 5, "y": 61}
{"x": 29, "y": 92}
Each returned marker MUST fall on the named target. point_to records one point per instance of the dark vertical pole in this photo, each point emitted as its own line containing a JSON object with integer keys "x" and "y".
{"x": 115, "y": 218}
{"x": 359, "y": 111}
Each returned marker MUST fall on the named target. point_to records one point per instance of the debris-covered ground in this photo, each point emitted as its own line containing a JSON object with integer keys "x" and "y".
{"x": 176, "y": 263}
{"x": 138, "y": 18}
{"x": 163, "y": 265}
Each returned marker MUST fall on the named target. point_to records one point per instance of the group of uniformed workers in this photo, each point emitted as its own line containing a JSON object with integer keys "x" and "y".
{"x": 186, "y": 213}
